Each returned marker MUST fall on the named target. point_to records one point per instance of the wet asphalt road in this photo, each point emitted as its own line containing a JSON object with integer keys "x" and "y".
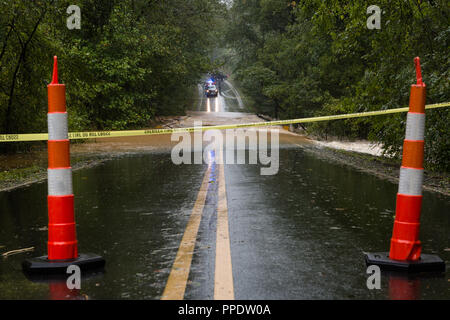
{"x": 299, "y": 234}
{"x": 228, "y": 100}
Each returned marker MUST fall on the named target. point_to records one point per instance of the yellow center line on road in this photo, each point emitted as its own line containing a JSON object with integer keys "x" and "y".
{"x": 223, "y": 277}
{"x": 176, "y": 284}
{"x": 223, "y": 274}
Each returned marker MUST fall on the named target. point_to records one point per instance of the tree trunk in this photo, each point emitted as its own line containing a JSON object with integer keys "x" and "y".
{"x": 7, "y": 124}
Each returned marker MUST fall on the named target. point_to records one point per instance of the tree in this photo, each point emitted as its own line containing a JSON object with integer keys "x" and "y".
{"x": 314, "y": 57}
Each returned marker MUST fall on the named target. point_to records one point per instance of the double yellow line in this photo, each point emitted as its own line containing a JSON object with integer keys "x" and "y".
{"x": 223, "y": 276}
{"x": 132, "y": 133}
{"x": 176, "y": 284}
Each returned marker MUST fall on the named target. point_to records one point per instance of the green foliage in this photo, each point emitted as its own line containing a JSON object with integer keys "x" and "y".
{"x": 131, "y": 60}
{"x": 314, "y": 57}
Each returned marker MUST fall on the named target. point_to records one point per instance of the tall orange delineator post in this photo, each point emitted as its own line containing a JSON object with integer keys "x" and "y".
{"x": 405, "y": 253}
{"x": 62, "y": 245}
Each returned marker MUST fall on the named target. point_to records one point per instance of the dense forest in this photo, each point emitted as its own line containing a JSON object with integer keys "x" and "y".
{"x": 313, "y": 57}
{"x": 132, "y": 60}
{"x": 129, "y": 61}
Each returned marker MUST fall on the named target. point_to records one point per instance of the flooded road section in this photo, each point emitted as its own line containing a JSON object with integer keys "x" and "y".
{"x": 205, "y": 231}
{"x": 132, "y": 211}
{"x": 299, "y": 234}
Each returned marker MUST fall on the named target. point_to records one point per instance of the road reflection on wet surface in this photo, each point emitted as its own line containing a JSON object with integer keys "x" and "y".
{"x": 299, "y": 234}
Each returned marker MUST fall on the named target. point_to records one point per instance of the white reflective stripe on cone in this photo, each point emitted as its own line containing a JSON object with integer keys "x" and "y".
{"x": 415, "y": 126}
{"x": 60, "y": 182}
{"x": 57, "y": 126}
{"x": 410, "y": 181}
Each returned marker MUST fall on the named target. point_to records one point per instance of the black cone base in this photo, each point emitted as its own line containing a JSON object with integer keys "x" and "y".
{"x": 426, "y": 263}
{"x": 43, "y": 266}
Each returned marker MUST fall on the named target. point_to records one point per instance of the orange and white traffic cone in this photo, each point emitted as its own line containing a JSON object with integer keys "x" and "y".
{"x": 405, "y": 253}
{"x": 62, "y": 243}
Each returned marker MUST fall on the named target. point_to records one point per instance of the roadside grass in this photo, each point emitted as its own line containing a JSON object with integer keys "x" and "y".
{"x": 19, "y": 175}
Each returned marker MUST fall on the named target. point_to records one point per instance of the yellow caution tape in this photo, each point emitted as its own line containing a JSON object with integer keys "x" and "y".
{"x": 132, "y": 133}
